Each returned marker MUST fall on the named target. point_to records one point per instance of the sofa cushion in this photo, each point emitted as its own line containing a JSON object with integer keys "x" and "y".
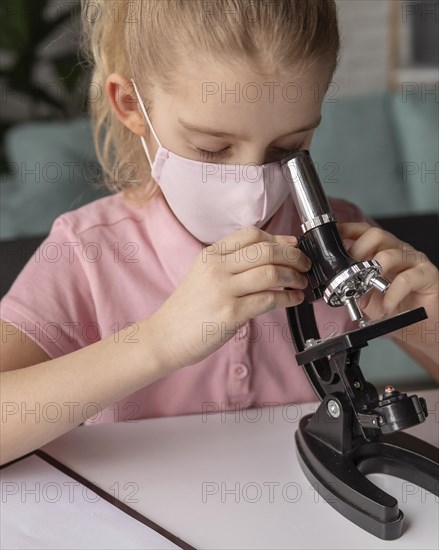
{"x": 357, "y": 155}
{"x": 416, "y": 124}
{"x": 54, "y": 169}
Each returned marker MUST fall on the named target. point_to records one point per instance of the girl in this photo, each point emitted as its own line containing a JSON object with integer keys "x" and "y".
{"x": 166, "y": 297}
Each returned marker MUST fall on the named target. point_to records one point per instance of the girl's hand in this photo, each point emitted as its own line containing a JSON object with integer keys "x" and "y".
{"x": 228, "y": 284}
{"x": 414, "y": 280}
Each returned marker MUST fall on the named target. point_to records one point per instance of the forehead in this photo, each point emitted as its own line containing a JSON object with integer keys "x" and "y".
{"x": 234, "y": 98}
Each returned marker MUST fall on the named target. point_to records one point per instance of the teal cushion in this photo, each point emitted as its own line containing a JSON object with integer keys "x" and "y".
{"x": 357, "y": 155}
{"x": 416, "y": 120}
{"x": 54, "y": 170}
{"x": 384, "y": 362}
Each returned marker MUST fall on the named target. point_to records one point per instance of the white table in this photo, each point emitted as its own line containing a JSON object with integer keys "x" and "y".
{"x": 42, "y": 507}
{"x": 233, "y": 480}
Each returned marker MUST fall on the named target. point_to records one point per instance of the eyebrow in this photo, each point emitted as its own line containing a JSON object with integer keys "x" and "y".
{"x": 216, "y": 133}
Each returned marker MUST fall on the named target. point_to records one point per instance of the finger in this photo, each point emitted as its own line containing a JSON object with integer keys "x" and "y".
{"x": 411, "y": 280}
{"x": 352, "y": 230}
{"x": 262, "y": 302}
{"x": 395, "y": 260}
{"x": 355, "y": 230}
{"x": 265, "y": 277}
{"x": 244, "y": 237}
{"x": 266, "y": 253}
{"x": 372, "y": 241}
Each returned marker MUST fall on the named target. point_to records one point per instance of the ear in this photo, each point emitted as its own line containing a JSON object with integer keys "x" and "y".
{"x": 122, "y": 96}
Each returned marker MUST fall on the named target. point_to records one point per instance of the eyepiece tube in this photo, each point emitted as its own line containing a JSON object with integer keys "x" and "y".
{"x": 306, "y": 188}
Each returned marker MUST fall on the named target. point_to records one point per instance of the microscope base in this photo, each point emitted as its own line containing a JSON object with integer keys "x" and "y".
{"x": 340, "y": 476}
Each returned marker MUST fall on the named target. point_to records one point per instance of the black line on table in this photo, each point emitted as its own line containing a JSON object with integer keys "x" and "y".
{"x": 113, "y": 500}
{"x": 6, "y": 464}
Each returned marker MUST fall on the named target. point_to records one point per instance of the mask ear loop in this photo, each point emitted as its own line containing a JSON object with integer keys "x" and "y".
{"x": 142, "y": 139}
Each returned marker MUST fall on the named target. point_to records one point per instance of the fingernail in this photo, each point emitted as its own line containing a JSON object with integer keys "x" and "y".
{"x": 291, "y": 239}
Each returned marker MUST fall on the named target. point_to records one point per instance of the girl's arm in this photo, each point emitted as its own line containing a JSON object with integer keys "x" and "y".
{"x": 414, "y": 283}
{"x": 103, "y": 373}
{"x": 221, "y": 288}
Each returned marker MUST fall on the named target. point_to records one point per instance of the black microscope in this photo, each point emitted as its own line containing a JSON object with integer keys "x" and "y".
{"x": 354, "y": 432}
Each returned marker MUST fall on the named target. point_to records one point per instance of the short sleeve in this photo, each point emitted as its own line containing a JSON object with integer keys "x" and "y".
{"x": 51, "y": 300}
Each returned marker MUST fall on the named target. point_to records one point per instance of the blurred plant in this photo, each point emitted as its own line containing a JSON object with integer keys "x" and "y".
{"x": 27, "y": 24}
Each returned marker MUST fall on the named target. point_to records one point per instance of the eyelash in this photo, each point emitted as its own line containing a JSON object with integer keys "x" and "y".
{"x": 212, "y": 154}
{"x": 218, "y": 154}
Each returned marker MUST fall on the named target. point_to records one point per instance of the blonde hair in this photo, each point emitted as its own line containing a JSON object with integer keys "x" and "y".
{"x": 148, "y": 40}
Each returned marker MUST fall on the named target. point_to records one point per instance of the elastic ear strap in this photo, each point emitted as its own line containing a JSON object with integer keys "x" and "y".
{"x": 142, "y": 139}
{"x": 142, "y": 106}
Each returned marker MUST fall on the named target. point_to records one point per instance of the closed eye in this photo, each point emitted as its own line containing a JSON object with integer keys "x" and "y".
{"x": 212, "y": 154}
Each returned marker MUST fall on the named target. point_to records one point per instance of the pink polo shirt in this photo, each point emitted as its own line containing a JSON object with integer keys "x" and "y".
{"x": 108, "y": 264}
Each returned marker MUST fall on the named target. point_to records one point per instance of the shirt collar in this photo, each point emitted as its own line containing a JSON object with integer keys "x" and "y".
{"x": 177, "y": 248}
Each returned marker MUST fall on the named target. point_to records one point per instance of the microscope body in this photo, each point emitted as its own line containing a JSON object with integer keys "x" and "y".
{"x": 352, "y": 432}
{"x": 340, "y": 280}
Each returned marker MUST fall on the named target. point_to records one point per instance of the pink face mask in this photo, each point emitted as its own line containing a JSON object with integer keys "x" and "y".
{"x": 213, "y": 200}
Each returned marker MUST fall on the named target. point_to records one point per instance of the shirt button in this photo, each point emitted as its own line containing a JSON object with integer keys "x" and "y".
{"x": 241, "y": 371}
